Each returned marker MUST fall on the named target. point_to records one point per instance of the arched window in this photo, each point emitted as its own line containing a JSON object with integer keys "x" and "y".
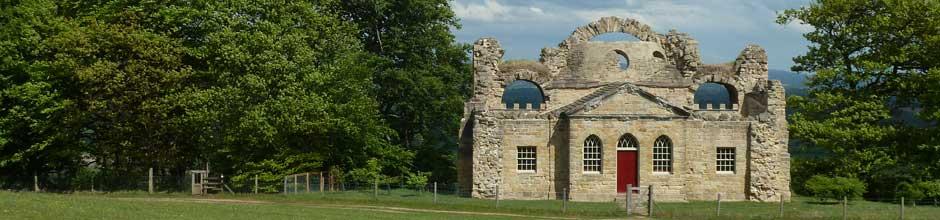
{"x": 715, "y": 94}
{"x": 627, "y": 142}
{"x": 522, "y": 92}
{"x": 662, "y": 155}
{"x": 623, "y": 61}
{"x": 592, "y": 154}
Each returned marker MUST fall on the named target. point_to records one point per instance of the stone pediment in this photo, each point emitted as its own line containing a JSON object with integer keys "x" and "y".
{"x": 621, "y": 100}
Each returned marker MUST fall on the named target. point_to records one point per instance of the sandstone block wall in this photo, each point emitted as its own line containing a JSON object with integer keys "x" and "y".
{"x": 587, "y": 94}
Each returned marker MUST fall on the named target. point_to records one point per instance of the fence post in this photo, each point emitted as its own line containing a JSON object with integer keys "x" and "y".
{"x": 902, "y": 208}
{"x": 629, "y": 199}
{"x": 781, "y": 206}
{"x": 718, "y": 209}
{"x": 35, "y": 182}
{"x": 435, "y": 192}
{"x": 497, "y": 195}
{"x": 285, "y": 185}
{"x": 845, "y": 200}
{"x": 307, "y": 182}
{"x": 150, "y": 180}
{"x": 321, "y": 181}
{"x": 295, "y": 183}
{"x": 564, "y": 200}
{"x": 650, "y": 203}
{"x": 375, "y": 188}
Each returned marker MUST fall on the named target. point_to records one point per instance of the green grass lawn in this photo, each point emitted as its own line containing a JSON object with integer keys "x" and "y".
{"x": 401, "y": 204}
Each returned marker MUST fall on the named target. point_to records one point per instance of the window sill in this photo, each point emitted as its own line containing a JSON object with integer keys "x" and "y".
{"x": 525, "y": 171}
{"x": 725, "y": 173}
{"x": 591, "y": 172}
{"x": 662, "y": 173}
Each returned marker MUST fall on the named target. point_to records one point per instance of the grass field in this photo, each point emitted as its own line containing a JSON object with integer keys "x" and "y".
{"x": 401, "y": 204}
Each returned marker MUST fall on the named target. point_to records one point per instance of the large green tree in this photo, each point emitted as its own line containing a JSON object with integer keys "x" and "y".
{"x": 423, "y": 75}
{"x": 873, "y": 64}
{"x": 254, "y": 87}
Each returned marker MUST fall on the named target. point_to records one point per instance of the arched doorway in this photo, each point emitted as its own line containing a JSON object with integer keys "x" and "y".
{"x": 627, "y": 162}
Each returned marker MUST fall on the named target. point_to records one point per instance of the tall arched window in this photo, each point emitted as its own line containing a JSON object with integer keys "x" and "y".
{"x": 592, "y": 154}
{"x": 522, "y": 92}
{"x": 662, "y": 155}
{"x": 627, "y": 142}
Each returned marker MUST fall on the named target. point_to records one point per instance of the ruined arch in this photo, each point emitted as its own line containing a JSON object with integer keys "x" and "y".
{"x": 707, "y": 91}
{"x": 605, "y": 25}
{"x": 523, "y": 94}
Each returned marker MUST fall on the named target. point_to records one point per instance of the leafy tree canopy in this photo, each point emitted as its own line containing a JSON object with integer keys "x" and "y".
{"x": 254, "y": 87}
{"x": 872, "y": 61}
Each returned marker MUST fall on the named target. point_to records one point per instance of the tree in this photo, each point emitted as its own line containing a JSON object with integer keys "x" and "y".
{"x": 422, "y": 78}
{"x": 873, "y": 61}
{"x": 254, "y": 87}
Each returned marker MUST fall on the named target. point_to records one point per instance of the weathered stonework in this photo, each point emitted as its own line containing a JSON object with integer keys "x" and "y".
{"x": 586, "y": 94}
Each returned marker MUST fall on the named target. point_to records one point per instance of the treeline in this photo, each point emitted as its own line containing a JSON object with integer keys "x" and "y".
{"x": 254, "y": 87}
{"x": 870, "y": 62}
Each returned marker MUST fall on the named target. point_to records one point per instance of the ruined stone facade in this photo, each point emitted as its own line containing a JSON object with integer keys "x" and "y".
{"x": 586, "y": 95}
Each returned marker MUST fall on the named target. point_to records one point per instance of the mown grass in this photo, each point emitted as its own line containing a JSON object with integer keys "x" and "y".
{"x": 114, "y": 206}
{"x": 88, "y": 206}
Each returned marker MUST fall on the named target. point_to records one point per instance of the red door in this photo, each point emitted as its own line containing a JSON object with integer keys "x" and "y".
{"x": 626, "y": 169}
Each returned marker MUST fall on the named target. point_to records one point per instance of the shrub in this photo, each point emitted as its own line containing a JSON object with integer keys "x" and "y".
{"x": 367, "y": 174}
{"x": 910, "y": 191}
{"x": 918, "y": 190}
{"x": 823, "y": 187}
{"x": 418, "y": 180}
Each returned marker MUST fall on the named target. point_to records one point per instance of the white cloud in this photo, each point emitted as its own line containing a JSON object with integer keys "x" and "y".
{"x": 536, "y": 10}
{"x": 722, "y": 27}
{"x": 799, "y": 27}
{"x": 729, "y": 15}
{"x": 495, "y": 11}
{"x": 490, "y": 10}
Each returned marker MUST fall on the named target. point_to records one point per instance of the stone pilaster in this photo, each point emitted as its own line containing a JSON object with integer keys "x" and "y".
{"x": 769, "y": 160}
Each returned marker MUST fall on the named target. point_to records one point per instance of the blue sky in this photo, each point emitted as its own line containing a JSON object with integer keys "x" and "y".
{"x": 722, "y": 27}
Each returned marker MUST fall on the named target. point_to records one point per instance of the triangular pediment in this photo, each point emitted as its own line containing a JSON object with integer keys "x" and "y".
{"x": 621, "y": 99}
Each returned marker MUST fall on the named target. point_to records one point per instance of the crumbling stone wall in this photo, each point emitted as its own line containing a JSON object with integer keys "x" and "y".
{"x": 586, "y": 94}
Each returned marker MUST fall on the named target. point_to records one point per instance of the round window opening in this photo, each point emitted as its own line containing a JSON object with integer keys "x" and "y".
{"x": 623, "y": 61}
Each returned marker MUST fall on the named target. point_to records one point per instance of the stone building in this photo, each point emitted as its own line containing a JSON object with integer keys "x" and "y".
{"x": 608, "y": 114}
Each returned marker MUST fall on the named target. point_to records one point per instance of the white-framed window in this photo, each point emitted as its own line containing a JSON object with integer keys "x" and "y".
{"x": 525, "y": 159}
{"x": 627, "y": 142}
{"x": 662, "y": 155}
{"x": 725, "y": 160}
{"x": 592, "y": 154}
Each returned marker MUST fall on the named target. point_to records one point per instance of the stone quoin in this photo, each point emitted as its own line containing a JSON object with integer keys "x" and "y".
{"x": 598, "y": 124}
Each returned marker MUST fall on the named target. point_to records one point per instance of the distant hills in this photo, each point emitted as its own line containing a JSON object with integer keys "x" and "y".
{"x": 795, "y": 84}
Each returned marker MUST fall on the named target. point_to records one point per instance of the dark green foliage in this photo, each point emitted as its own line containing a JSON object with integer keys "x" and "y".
{"x": 254, "y": 88}
{"x": 873, "y": 62}
{"x": 919, "y": 190}
{"x": 823, "y": 187}
{"x": 421, "y": 79}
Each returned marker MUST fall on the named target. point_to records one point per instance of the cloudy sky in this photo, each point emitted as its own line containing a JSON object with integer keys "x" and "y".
{"x": 722, "y": 27}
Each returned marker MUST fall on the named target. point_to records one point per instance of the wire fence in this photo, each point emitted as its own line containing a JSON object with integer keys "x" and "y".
{"x": 397, "y": 191}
